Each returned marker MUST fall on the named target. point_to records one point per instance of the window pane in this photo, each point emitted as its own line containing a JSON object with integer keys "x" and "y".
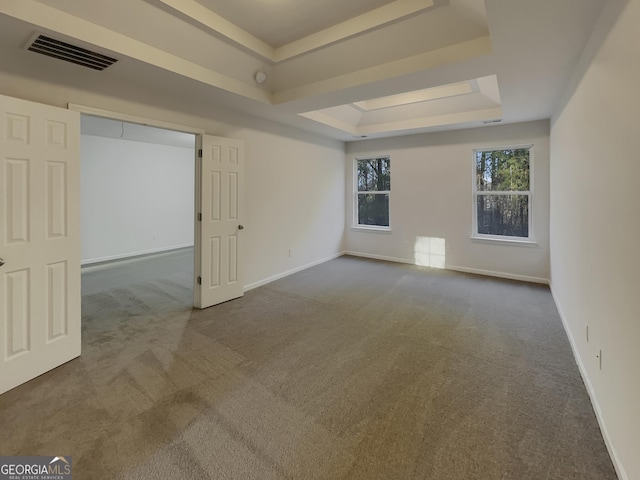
{"x": 503, "y": 215}
{"x": 373, "y": 209}
{"x": 374, "y": 175}
{"x": 503, "y": 170}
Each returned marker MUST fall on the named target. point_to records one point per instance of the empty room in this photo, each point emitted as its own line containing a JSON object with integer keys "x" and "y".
{"x": 403, "y": 244}
{"x": 137, "y": 205}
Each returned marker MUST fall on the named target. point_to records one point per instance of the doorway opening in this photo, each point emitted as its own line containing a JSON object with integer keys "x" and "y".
{"x": 137, "y": 214}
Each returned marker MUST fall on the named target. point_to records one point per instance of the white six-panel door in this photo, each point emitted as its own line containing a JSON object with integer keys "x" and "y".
{"x": 220, "y": 228}
{"x": 39, "y": 239}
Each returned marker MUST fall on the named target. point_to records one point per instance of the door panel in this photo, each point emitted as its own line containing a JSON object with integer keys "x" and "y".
{"x": 18, "y": 338}
{"x": 56, "y": 199}
{"x": 220, "y": 230}
{"x": 39, "y": 239}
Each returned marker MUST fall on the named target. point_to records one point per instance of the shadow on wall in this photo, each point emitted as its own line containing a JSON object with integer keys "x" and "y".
{"x": 429, "y": 252}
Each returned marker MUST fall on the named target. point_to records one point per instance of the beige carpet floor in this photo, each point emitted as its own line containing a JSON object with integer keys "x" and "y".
{"x": 353, "y": 369}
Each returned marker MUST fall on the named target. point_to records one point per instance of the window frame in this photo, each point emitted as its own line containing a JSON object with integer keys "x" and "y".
{"x": 530, "y": 240}
{"x": 356, "y": 191}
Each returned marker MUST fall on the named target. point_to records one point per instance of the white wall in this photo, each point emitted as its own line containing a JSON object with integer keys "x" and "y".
{"x": 136, "y": 197}
{"x": 595, "y": 226}
{"x": 294, "y": 180}
{"x": 431, "y": 182}
{"x": 295, "y": 201}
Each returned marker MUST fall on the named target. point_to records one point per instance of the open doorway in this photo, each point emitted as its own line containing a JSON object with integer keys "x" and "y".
{"x": 137, "y": 213}
{"x": 44, "y": 284}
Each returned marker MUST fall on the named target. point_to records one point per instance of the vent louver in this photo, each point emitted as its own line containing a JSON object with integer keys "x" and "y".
{"x": 70, "y": 53}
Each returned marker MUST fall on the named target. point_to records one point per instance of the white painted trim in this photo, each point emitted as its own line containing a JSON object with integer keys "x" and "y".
{"x": 197, "y": 225}
{"x": 617, "y": 464}
{"x": 49, "y": 18}
{"x": 375, "y": 18}
{"x": 395, "y": 68}
{"x": 273, "y": 278}
{"x": 150, "y": 122}
{"x": 214, "y": 22}
{"x": 373, "y": 256}
{"x": 361, "y": 24}
{"x": 199, "y": 133}
{"x": 356, "y": 192}
{"x": 435, "y": 121}
{"x": 143, "y": 253}
{"x": 403, "y": 125}
{"x": 363, "y": 228}
{"x": 417, "y": 96}
{"x": 491, "y": 273}
{"x": 477, "y": 271}
{"x": 474, "y": 197}
{"x": 515, "y": 241}
{"x": 107, "y": 262}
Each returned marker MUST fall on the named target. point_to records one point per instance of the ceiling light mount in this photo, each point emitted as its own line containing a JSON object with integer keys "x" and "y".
{"x": 260, "y": 77}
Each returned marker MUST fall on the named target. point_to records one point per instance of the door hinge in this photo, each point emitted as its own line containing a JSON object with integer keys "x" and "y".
{"x": 199, "y": 280}
{"x": 200, "y": 153}
{"x": 199, "y": 217}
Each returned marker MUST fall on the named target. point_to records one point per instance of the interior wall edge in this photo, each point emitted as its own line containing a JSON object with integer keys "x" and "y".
{"x": 128, "y": 256}
{"x": 278, "y": 276}
{"x": 604, "y": 25}
{"x": 617, "y": 464}
{"x": 270, "y": 147}
{"x": 455, "y": 268}
{"x": 374, "y": 256}
{"x": 505, "y": 275}
{"x": 432, "y": 179}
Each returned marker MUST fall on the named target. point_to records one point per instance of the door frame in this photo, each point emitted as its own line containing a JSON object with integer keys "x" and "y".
{"x": 198, "y": 132}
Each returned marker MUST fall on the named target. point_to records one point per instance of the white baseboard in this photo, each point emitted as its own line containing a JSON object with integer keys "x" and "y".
{"x": 259, "y": 283}
{"x": 126, "y": 256}
{"x": 617, "y": 464}
{"x": 476, "y": 271}
{"x": 491, "y": 273}
{"x": 379, "y": 257}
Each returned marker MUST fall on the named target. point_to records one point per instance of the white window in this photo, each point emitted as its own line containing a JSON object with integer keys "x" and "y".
{"x": 372, "y": 191}
{"x": 502, "y": 193}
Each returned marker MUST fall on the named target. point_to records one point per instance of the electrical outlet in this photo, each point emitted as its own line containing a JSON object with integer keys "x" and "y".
{"x": 599, "y": 357}
{"x": 291, "y": 252}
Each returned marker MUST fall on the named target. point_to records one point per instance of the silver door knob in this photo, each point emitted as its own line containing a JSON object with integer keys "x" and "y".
{"x": 240, "y": 227}
{"x": 1, "y": 261}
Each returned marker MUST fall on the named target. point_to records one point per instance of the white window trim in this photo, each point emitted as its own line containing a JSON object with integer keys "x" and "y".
{"x": 372, "y": 228}
{"x": 355, "y": 224}
{"x": 516, "y": 241}
{"x": 502, "y": 239}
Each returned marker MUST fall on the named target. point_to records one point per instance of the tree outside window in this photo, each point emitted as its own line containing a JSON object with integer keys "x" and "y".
{"x": 373, "y": 188}
{"x": 502, "y": 192}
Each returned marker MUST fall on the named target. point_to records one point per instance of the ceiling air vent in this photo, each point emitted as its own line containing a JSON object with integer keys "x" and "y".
{"x": 487, "y": 122}
{"x": 70, "y": 53}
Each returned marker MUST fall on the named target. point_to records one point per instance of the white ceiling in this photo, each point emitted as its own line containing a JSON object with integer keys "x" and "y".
{"x": 321, "y": 58}
{"x": 133, "y": 132}
{"x": 278, "y": 22}
{"x": 462, "y": 102}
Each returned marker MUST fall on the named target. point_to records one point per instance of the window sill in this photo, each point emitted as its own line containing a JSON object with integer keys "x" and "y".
{"x": 361, "y": 228}
{"x": 506, "y": 241}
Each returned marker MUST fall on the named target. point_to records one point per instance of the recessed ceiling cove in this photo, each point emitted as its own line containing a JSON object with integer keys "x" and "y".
{"x": 464, "y": 103}
{"x": 309, "y": 36}
{"x": 336, "y": 68}
{"x": 278, "y": 22}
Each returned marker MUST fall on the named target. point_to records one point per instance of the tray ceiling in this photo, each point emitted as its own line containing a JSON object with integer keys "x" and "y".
{"x": 278, "y": 22}
{"x": 341, "y": 69}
